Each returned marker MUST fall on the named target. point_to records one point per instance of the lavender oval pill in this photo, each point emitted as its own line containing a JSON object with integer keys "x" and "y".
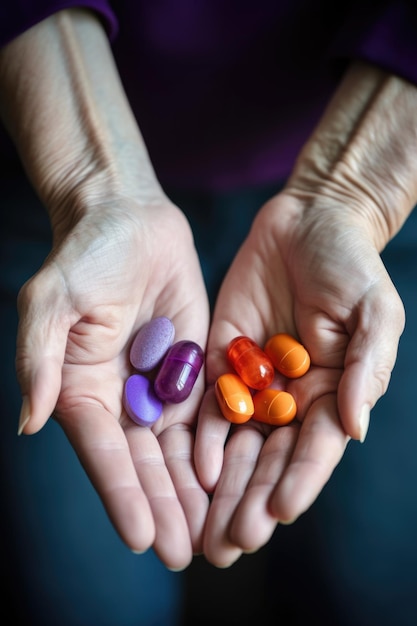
{"x": 151, "y": 343}
{"x": 140, "y": 401}
{"x": 179, "y": 371}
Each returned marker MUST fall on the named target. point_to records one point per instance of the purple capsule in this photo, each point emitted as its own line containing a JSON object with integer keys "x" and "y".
{"x": 179, "y": 371}
{"x": 140, "y": 401}
{"x": 151, "y": 343}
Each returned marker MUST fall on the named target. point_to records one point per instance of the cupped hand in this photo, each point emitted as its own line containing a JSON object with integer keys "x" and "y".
{"x": 120, "y": 266}
{"x": 309, "y": 269}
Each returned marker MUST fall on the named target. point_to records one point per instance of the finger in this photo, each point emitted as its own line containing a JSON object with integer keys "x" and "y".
{"x": 102, "y": 448}
{"x": 177, "y": 445}
{"x": 44, "y": 323}
{"x": 211, "y": 434}
{"x": 320, "y": 446}
{"x": 370, "y": 359}
{"x": 172, "y": 539}
{"x": 240, "y": 460}
{"x": 253, "y": 522}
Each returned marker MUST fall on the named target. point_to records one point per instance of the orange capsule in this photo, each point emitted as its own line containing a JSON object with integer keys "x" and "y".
{"x": 274, "y": 407}
{"x": 288, "y": 355}
{"x": 234, "y": 398}
{"x": 251, "y": 363}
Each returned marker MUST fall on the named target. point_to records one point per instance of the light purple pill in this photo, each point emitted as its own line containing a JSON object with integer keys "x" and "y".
{"x": 151, "y": 343}
{"x": 179, "y": 371}
{"x": 140, "y": 401}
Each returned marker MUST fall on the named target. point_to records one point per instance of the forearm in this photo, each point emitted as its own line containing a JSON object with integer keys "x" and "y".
{"x": 363, "y": 153}
{"x": 65, "y": 108}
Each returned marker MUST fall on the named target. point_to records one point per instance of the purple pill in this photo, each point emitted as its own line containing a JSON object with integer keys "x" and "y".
{"x": 140, "y": 401}
{"x": 179, "y": 371}
{"x": 151, "y": 343}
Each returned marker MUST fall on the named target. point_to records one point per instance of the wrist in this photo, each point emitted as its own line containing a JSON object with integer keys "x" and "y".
{"x": 361, "y": 156}
{"x": 66, "y": 110}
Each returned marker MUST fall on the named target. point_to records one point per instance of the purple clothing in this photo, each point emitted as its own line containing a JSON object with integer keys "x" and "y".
{"x": 227, "y": 91}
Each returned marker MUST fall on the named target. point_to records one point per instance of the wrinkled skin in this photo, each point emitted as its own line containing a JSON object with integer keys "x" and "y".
{"x": 123, "y": 253}
{"x": 287, "y": 278}
{"x": 311, "y": 267}
{"x": 78, "y": 316}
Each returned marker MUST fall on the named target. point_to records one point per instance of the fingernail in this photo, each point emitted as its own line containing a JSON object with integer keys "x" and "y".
{"x": 364, "y": 422}
{"x": 176, "y": 569}
{"x": 288, "y": 522}
{"x": 24, "y": 415}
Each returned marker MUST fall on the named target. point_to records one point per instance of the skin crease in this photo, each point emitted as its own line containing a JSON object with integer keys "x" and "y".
{"x": 80, "y": 312}
{"x": 310, "y": 266}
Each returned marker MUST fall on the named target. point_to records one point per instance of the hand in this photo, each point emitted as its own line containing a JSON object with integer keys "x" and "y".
{"x": 311, "y": 267}
{"x": 323, "y": 282}
{"x": 122, "y": 254}
{"x": 110, "y": 275}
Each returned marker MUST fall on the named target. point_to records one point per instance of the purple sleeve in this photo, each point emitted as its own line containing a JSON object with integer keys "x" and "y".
{"x": 383, "y": 33}
{"x": 16, "y": 17}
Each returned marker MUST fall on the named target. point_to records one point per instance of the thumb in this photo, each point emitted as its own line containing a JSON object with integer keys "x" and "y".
{"x": 370, "y": 359}
{"x": 44, "y": 323}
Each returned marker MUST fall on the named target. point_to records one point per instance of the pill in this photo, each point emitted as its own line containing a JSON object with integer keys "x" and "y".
{"x": 151, "y": 343}
{"x": 273, "y": 406}
{"x": 179, "y": 371}
{"x": 140, "y": 401}
{"x": 288, "y": 355}
{"x": 251, "y": 363}
{"x": 234, "y": 398}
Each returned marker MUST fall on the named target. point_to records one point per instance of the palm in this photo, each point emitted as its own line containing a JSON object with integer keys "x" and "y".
{"x": 111, "y": 289}
{"x": 290, "y": 277}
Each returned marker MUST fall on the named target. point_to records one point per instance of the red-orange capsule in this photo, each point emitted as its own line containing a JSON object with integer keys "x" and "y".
{"x": 288, "y": 355}
{"x": 251, "y": 363}
{"x": 274, "y": 407}
{"x": 234, "y": 398}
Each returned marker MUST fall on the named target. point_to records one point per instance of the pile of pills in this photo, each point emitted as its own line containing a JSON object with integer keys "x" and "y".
{"x": 165, "y": 371}
{"x": 247, "y": 393}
